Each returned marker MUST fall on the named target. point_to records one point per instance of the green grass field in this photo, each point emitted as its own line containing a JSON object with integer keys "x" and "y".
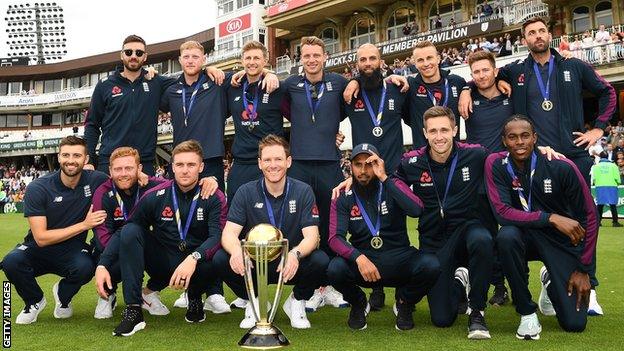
{"x": 329, "y": 329}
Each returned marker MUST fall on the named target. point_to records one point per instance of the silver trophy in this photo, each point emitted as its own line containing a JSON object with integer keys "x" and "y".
{"x": 263, "y": 244}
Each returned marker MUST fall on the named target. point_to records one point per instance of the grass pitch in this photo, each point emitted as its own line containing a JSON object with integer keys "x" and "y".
{"x": 329, "y": 329}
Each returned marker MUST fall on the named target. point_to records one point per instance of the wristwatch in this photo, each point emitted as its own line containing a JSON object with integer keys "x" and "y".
{"x": 196, "y": 256}
{"x": 297, "y": 254}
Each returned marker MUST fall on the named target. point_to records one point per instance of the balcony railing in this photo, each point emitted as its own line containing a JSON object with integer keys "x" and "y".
{"x": 218, "y": 56}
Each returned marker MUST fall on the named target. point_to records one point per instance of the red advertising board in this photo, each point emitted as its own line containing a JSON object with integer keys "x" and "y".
{"x": 286, "y": 5}
{"x": 234, "y": 25}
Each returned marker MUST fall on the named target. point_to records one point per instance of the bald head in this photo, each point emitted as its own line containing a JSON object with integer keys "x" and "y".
{"x": 368, "y": 58}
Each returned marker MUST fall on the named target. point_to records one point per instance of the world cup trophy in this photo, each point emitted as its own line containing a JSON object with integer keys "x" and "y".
{"x": 263, "y": 244}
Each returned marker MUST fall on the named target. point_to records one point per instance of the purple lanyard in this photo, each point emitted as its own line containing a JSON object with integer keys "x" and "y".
{"x": 544, "y": 90}
{"x": 373, "y": 229}
{"x": 121, "y": 203}
{"x": 526, "y": 202}
{"x": 187, "y": 111}
{"x": 251, "y": 113}
{"x": 375, "y": 118}
{"x": 189, "y": 217}
{"x": 313, "y": 107}
{"x": 270, "y": 208}
{"x": 448, "y": 181}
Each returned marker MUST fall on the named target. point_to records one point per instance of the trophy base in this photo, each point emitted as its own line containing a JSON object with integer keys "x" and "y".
{"x": 263, "y": 338}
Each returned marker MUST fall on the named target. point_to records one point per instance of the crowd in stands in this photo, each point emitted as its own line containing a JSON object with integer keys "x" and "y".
{"x": 604, "y": 46}
{"x": 13, "y": 181}
{"x": 611, "y": 147}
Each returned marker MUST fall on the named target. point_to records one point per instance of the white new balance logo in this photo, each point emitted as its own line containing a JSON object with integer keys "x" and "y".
{"x": 58, "y": 199}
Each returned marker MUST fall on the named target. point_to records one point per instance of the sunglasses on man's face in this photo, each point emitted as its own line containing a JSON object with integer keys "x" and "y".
{"x": 138, "y": 53}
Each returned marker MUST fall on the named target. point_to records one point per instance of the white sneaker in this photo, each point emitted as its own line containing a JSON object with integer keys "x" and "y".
{"x": 249, "y": 321}
{"x": 181, "y": 302}
{"x": 29, "y": 313}
{"x": 239, "y": 303}
{"x": 594, "y": 308}
{"x": 216, "y": 304}
{"x": 315, "y": 302}
{"x": 332, "y": 297}
{"x": 544, "y": 303}
{"x": 61, "y": 312}
{"x": 529, "y": 328}
{"x": 295, "y": 310}
{"x": 462, "y": 275}
{"x": 153, "y": 305}
{"x": 104, "y": 308}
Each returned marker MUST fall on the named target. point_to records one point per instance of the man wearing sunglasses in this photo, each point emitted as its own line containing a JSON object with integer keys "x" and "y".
{"x": 124, "y": 108}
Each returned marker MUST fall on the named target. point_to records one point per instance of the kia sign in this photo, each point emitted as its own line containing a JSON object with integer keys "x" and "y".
{"x": 234, "y": 25}
{"x": 282, "y": 7}
{"x": 437, "y": 37}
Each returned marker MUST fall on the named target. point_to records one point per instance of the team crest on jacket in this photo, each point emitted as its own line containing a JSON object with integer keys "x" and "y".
{"x": 390, "y": 104}
{"x": 355, "y": 212}
{"x": 422, "y": 90}
{"x": 292, "y": 206}
{"x": 116, "y": 91}
{"x": 200, "y": 214}
{"x": 265, "y": 98}
{"x": 315, "y": 211}
{"x": 145, "y": 87}
{"x": 359, "y": 106}
{"x": 521, "y": 79}
{"x": 567, "y": 77}
{"x": 465, "y": 174}
{"x": 167, "y": 214}
{"x": 547, "y": 186}
{"x": 87, "y": 191}
{"x": 425, "y": 179}
{"x": 118, "y": 214}
{"x": 384, "y": 208}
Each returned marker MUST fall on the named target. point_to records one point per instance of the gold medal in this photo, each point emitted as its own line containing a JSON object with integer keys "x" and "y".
{"x": 376, "y": 242}
{"x": 547, "y": 105}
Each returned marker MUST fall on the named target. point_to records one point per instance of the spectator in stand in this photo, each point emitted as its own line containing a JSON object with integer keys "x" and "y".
{"x": 602, "y": 36}
{"x": 620, "y": 164}
{"x": 564, "y": 45}
{"x": 596, "y": 149}
{"x": 452, "y": 23}
{"x": 384, "y": 68}
{"x": 612, "y": 49}
{"x": 438, "y": 22}
{"x": 620, "y": 145}
{"x": 518, "y": 42}
{"x": 495, "y": 47}
{"x": 473, "y": 44}
{"x": 415, "y": 29}
{"x": 346, "y": 73}
{"x": 287, "y": 53}
{"x": 576, "y": 47}
{"x": 487, "y": 9}
{"x": 586, "y": 43}
{"x": 507, "y": 46}
{"x": 407, "y": 29}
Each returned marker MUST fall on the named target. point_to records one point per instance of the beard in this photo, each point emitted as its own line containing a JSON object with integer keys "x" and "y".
{"x": 536, "y": 50}
{"x": 132, "y": 69}
{"x": 67, "y": 172}
{"x": 373, "y": 80}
